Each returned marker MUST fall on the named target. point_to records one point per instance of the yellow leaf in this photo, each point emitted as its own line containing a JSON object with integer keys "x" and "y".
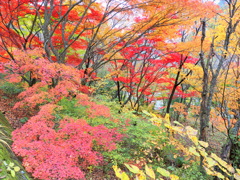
{"x": 163, "y": 172}
{"x": 219, "y": 175}
{"x": 230, "y": 169}
{"x": 119, "y": 173}
{"x": 156, "y": 120}
{"x": 167, "y": 118}
{"x": 210, "y": 162}
{"x": 178, "y": 123}
{"x": 180, "y": 130}
{"x": 219, "y": 160}
{"x": 191, "y": 131}
{"x": 141, "y": 176}
{"x": 16, "y": 168}
{"x": 132, "y": 168}
{"x": 149, "y": 172}
{"x": 193, "y": 151}
{"x": 202, "y": 151}
{"x": 204, "y": 144}
{"x": 209, "y": 171}
{"x": 237, "y": 176}
{"x": 168, "y": 126}
{"x": 194, "y": 140}
{"x": 154, "y": 115}
{"x": 174, "y": 177}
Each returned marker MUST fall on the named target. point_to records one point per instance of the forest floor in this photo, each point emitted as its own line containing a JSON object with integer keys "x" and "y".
{"x": 13, "y": 115}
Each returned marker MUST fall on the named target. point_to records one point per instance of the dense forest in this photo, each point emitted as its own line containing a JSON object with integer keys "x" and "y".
{"x": 119, "y": 89}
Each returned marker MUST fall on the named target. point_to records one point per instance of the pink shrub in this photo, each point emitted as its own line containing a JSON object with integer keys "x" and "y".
{"x": 61, "y": 150}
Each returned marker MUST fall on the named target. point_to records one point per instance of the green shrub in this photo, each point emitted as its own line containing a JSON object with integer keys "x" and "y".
{"x": 105, "y": 87}
{"x": 192, "y": 173}
{"x": 2, "y": 76}
{"x": 10, "y": 88}
{"x": 24, "y": 119}
{"x": 141, "y": 142}
{"x": 69, "y": 108}
{"x": 235, "y": 153}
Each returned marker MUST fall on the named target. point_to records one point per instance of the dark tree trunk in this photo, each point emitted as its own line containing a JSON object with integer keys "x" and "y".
{"x": 230, "y": 147}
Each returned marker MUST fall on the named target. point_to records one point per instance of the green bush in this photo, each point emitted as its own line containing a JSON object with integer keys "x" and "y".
{"x": 192, "y": 173}
{"x": 105, "y": 87}
{"x": 235, "y": 153}
{"x": 69, "y": 108}
{"x": 10, "y": 88}
{"x": 138, "y": 145}
{"x": 2, "y": 76}
{"x": 24, "y": 120}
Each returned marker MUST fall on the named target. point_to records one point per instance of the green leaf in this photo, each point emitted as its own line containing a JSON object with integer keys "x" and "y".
{"x": 132, "y": 168}
{"x": 163, "y": 172}
{"x": 147, "y": 113}
{"x": 11, "y": 164}
{"x": 13, "y": 173}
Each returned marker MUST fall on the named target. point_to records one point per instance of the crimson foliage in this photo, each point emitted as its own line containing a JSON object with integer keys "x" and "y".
{"x": 61, "y": 149}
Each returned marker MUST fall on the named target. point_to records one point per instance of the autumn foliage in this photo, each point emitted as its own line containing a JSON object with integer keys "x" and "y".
{"x": 54, "y": 148}
{"x": 177, "y": 57}
{"x": 61, "y": 149}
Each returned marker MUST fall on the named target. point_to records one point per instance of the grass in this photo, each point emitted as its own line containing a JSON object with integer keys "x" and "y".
{"x": 4, "y": 140}
{"x": 6, "y": 153}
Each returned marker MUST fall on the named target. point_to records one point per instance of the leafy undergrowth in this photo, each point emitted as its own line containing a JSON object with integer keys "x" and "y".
{"x": 212, "y": 165}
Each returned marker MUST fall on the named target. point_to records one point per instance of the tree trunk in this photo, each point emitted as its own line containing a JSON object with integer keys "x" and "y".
{"x": 204, "y": 118}
{"x": 229, "y": 149}
{"x": 204, "y": 109}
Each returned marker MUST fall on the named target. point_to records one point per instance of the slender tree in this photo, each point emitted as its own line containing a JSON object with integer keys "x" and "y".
{"x": 212, "y": 64}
